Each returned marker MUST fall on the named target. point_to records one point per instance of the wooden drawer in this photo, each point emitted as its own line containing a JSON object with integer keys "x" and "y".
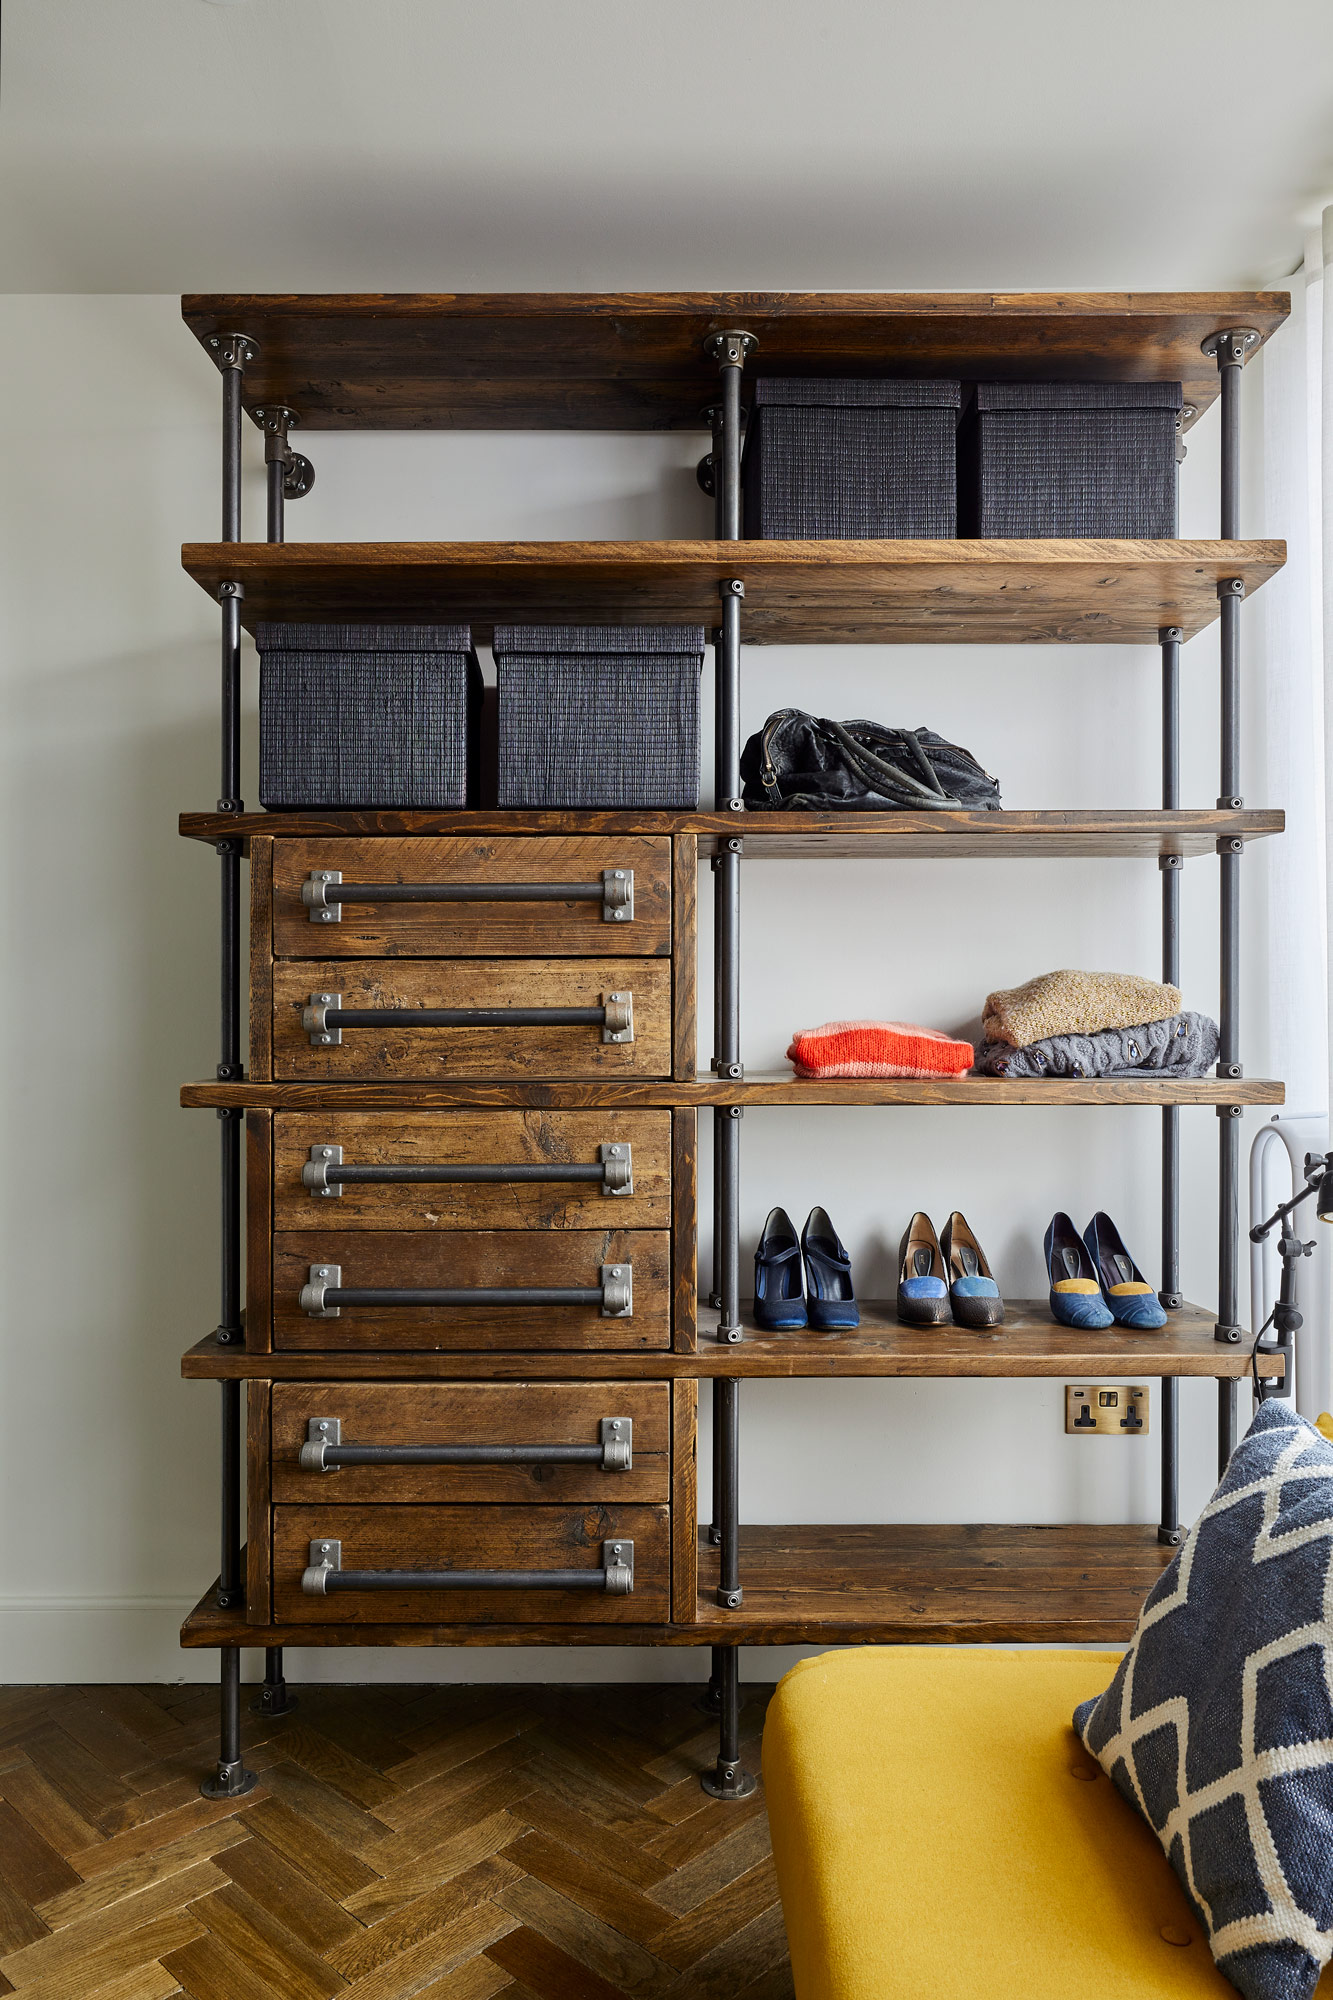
{"x": 635, "y": 911}
{"x": 542, "y": 1049}
{"x": 453, "y": 1539}
{"x": 479, "y": 1259}
{"x": 547, "y": 1141}
{"x": 473, "y": 1416}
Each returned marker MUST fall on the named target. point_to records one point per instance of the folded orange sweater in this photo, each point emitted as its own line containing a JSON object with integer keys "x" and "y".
{"x": 877, "y": 1048}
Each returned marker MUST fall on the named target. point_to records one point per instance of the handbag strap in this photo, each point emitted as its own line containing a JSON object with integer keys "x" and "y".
{"x": 880, "y": 774}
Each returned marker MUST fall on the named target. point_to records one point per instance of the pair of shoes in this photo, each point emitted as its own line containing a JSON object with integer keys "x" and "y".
{"x": 1094, "y": 1280}
{"x": 779, "y": 1301}
{"x": 945, "y": 1278}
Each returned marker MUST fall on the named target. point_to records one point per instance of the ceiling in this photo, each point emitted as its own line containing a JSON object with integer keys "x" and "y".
{"x": 433, "y": 145}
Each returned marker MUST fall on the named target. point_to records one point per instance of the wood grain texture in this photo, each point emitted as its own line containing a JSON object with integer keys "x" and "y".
{"x": 636, "y": 360}
{"x": 499, "y": 1833}
{"x": 796, "y": 593}
{"x": 472, "y": 1138}
{"x": 473, "y": 1413}
{"x": 474, "y": 930}
{"x": 475, "y": 1259}
{"x": 473, "y": 1537}
{"x": 755, "y": 1089}
{"x": 873, "y": 1583}
{"x": 788, "y": 836}
{"x": 258, "y": 1231}
{"x": 685, "y": 956}
{"x": 684, "y": 1231}
{"x": 422, "y": 1054}
{"x": 935, "y": 1585}
{"x": 684, "y": 1499}
{"x": 261, "y": 954}
{"x": 258, "y": 1498}
{"x": 1028, "y": 1345}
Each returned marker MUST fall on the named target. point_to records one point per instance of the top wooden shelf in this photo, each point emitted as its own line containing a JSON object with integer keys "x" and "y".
{"x": 635, "y": 360}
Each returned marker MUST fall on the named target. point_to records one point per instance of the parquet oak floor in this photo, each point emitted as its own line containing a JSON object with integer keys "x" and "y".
{"x": 403, "y": 1843}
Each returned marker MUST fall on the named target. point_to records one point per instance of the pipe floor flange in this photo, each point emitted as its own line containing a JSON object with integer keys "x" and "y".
{"x": 710, "y": 1701}
{"x": 275, "y": 1699}
{"x": 729, "y": 1781}
{"x": 229, "y": 1781}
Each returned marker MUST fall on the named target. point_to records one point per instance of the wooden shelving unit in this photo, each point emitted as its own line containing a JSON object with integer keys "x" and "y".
{"x": 651, "y": 362}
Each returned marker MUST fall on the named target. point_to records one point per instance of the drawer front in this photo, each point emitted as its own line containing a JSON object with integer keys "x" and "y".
{"x": 533, "y": 1142}
{"x": 512, "y": 1047}
{"x": 567, "y": 1542}
{"x": 474, "y": 1418}
{"x": 468, "y": 1263}
{"x": 619, "y": 898}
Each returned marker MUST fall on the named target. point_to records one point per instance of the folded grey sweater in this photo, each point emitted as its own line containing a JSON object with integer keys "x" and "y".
{"x": 1185, "y": 1044}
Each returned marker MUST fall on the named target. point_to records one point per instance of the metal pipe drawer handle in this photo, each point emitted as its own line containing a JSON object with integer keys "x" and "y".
{"x": 324, "y": 892}
{"x": 324, "y": 1450}
{"x": 325, "y": 1173}
{"x": 324, "y": 1295}
{"x": 325, "y": 1018}
{"x": 325, "y": 1575}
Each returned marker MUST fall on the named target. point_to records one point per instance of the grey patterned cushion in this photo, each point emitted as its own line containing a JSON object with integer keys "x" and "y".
{"x": 1218, "y": 1725}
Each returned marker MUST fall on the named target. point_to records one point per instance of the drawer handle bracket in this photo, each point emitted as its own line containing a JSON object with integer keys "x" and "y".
{"x": 324, "y": 892}
{"x": 325, "y": 1174}
{"x": 325, "y": 1017}
{"x": 324, "y": 1450}
{"x": 325, "y": 1575}
{"x": 324, "y": 1295}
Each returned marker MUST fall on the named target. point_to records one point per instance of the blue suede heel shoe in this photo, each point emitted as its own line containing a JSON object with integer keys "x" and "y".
{"x": 1132, "y": 1301}
{"x": 828, "y": 1275}
{"x": 779, "y": 1303}
{"x": 973, "y": 1292}
{"x": 1076, "y": 1293}
{"x": 923, "y": 1291}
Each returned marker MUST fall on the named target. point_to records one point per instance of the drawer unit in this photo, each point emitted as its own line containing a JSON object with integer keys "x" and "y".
{"x": 402, "y": 1290}
{"x": 541, "y": 1565}
{"x": 358, "y": 1170}
{"x": 555, "y": 1442}
{"x": 543, "y": 1018}
{"x": 519, "y": 897}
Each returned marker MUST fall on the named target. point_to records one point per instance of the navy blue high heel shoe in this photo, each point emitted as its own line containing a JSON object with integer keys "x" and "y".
{"x": 828, "y": 1275}
{"x": 779, "y": 1303}
{"x": 1132, "y": 1300}
{"x": 1076, "y": 1293}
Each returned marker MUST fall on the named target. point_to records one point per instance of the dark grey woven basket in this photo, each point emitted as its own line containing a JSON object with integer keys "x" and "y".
{"x": 1091, "y": 460}
{"x": 367, "y": 715}
{"x": 598, "y": 715}
{"x": 851, "y": 461}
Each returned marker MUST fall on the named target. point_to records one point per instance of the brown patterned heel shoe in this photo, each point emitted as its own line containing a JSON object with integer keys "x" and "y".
{"x": 923, "y": 1293}
{"x": 973, "y": 1293}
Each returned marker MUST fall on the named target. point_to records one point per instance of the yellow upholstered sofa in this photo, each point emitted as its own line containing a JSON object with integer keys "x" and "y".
{"x": 941, "y": 1834}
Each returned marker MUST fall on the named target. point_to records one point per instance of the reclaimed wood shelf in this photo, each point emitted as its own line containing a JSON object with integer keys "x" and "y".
{"x": 439, "y": 1093}
{"x": 934, "y": 1585}
{"x": 1029, "y": 1344}
{"x": 798, "y": 836}
{"x": 875, "y": 1585}
{"x": 636, "y": 361}
{"x": 796, "y": 593}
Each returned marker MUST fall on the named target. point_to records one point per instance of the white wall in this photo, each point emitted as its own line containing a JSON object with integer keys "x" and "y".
{"x": 108, "y": 1461}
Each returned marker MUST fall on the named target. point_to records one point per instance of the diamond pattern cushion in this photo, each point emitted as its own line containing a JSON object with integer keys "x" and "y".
{"x": 1218, "y": 1725}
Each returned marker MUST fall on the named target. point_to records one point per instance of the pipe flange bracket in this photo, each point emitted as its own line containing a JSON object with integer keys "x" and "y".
{"x": 1229, "y": 1110}
{"x": 733, "y": 348}
{"x": 1230, "y": 1072}
{"x": 1231, "y": 586}
{"x": 618, "y": 1562}
{"x": 325, "y": 1557}
{"x": 1170, "y": 1538}
{"x": 730, "y": 1600}
{"x": 617, "y": 1168}
{"x": 617, "y": 1282}
{"x": 1232, "y": 345}
{"x": 616, "y": 1435}
{"x": 1170, "y": 635}
{"x": 320, "y": 1433}
{"x": 232, "y": 350}
{"x": 618, "y": 1025}
{"x": 315, "y": 1020}
{"x": 1170, "y": 861}
{"x": 323, "y": 1278}
{"x": 1228, "y": 1335}
{"x": 731, "y": 586}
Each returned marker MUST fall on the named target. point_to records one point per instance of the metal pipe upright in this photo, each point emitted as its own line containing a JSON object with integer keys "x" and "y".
{"x": 1230, "y": 349}
{"x": 231, "y": 1779}
{"x": 1168, "y": 1531}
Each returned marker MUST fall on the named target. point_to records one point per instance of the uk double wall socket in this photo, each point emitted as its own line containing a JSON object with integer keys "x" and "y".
{"x": 1110, "y": 1410}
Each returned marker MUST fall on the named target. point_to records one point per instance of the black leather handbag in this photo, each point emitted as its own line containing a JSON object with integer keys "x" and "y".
{"x": 807, "y": 763}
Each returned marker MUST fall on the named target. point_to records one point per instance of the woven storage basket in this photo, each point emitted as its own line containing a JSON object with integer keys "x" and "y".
{"x": 1091, "y": 460}
{"x": 851, "y": 461}
{"x": 367, "y": 715}
{"x": 598, "y": 715}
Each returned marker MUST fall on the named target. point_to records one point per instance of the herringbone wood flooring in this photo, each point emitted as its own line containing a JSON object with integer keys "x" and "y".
{"x": 445, "y": 1842}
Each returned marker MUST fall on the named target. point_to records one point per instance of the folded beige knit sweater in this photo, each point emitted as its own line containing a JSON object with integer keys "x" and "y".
{"x": 1075, "y": 1003}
